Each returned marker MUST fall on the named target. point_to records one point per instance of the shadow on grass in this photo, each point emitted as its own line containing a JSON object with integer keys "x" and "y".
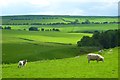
{"x": 13, "y": 52}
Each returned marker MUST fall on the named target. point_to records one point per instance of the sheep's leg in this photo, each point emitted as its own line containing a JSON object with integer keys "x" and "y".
{"x": 102, "y": 60}
{"x": 97, "y": 61}
{"x": 19, "y": 66}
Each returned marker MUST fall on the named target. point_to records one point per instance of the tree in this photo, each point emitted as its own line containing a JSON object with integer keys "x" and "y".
{"x": 42, "y": 29}
{"x": 55, "y": 29}
{"x": 8, "y": 28}
{"x": 33, "y": 29}
{"x": 87, "y": 21}
{"x": 84, "y": 41}
{"x": 107, "y": 39}
{"x": 1, "y": 27}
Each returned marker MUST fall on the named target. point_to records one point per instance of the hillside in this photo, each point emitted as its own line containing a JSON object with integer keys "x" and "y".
{"x": 51, "y": 49}
{"x": 50, "y": 19}
{"x": 76, "y": 67}
{"x": 71, "y": 24}
{"x": 36, "y": 46}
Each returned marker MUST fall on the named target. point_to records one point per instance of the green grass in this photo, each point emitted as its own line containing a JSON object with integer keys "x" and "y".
{"x": 55, "y": 19}
{"x": 70, "y": 28}
{"x": 39, "y": 45}
{"x": 59, "y": 19}
{"x": 66, "y": 68}
{"x": 52, "y": 54}
{"x": 93, "y": 19}
{"x": 89, "y": 27}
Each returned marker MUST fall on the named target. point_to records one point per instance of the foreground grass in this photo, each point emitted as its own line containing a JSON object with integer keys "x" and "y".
{"x": 66, "y": 68}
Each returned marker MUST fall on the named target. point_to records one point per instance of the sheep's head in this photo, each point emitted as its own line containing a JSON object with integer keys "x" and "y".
{"x": 26, "y": 60}
{"x": 102, "y": 59}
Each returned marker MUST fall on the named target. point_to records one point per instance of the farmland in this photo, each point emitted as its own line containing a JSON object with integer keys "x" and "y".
{"x": 52, "y": 54}
{"x": 40, "y": 45}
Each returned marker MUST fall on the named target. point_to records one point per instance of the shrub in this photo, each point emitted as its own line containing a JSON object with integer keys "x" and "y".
{"x": 33, "y": 29}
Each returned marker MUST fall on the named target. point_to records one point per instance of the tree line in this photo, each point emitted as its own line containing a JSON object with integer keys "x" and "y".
{"x": 42, "y": 29}
{"x": 32, "y": 29}
{"x": 107, "y": 39}
{"x": 66, "y": 22}
{"x": 6, "y": 27}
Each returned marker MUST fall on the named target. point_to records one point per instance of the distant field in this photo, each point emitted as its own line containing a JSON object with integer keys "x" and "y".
{"x": 55, "y": 19}
{"x": 70, "y": 28}
{"x": 63, "y": 23}
{"x": 93, "y": 19}
{"x": 66, "y": 68}
{"x": 34, "y": 45}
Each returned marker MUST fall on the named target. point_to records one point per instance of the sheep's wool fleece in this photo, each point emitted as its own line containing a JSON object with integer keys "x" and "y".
{"x": 94, "y": 56}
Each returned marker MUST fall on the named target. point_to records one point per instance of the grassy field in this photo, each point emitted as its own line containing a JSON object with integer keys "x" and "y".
{"x": 39, "y": 45}
{"x": 69, "y": 28}
{"x": 53, "y": 54}
{"x": 66, "y": 68}
{"x": 55, "y": 19}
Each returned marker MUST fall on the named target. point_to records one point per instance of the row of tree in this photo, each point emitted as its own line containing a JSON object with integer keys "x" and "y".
{"x": 31, "y": 29}
{"x": 61, "y": 23}
{"x": 34, "y": 18}
{"x": 66, "y": 22}
{"x": 42, "y": 29}
{"x": 7, "y": 27}
{"x": 107, "y": 39}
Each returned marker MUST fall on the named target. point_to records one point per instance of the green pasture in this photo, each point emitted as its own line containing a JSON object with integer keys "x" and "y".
{"x": 55, "y": 19}
{"x": 35, "y": 46}
{"x": 54, "y": 54}
{"x": 75, "y": 67}
{"x": 93, "y": 19}
{"x": 69, "y": 28}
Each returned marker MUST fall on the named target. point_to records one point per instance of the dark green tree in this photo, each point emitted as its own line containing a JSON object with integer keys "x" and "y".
{"x": 33, "y": 29}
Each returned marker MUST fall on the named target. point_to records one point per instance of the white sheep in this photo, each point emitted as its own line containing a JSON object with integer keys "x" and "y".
{"x": 22, "y": 63}
{"x": 110, "y": 50}
{"x": 100, "y": 51}
{"x": 93, "y": 56}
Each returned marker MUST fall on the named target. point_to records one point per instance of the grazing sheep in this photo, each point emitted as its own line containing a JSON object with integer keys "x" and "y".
{"x": 77, "y": 56}
{"x": 22, "y": 63}
{"x": 110, "y": 50}
{"x": 100, "y": 51}
{"x": 93, "y": 56}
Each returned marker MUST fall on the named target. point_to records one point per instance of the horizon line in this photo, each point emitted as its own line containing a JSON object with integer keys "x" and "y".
{"x": 54, "y": 15}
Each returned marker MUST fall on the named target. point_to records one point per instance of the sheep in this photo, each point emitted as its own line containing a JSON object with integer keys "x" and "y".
{"x": 22, "y": 63}
{"x": 100, "y": 51}
{"x": 77, "y": 56}
{"x": 110, "y": 50}
{"x": 93, "y": 56}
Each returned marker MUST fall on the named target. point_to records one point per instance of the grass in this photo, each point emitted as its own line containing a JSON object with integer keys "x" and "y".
{"x": 93, "y": 19}
{"x": 39, "y": 45}
{"x": 54, "y": 54}
{"x": 55, "y": 19}
{"x": 52, "y": 59}
{"x": 66, "y": 68}
{"x": 69, "y": 28}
